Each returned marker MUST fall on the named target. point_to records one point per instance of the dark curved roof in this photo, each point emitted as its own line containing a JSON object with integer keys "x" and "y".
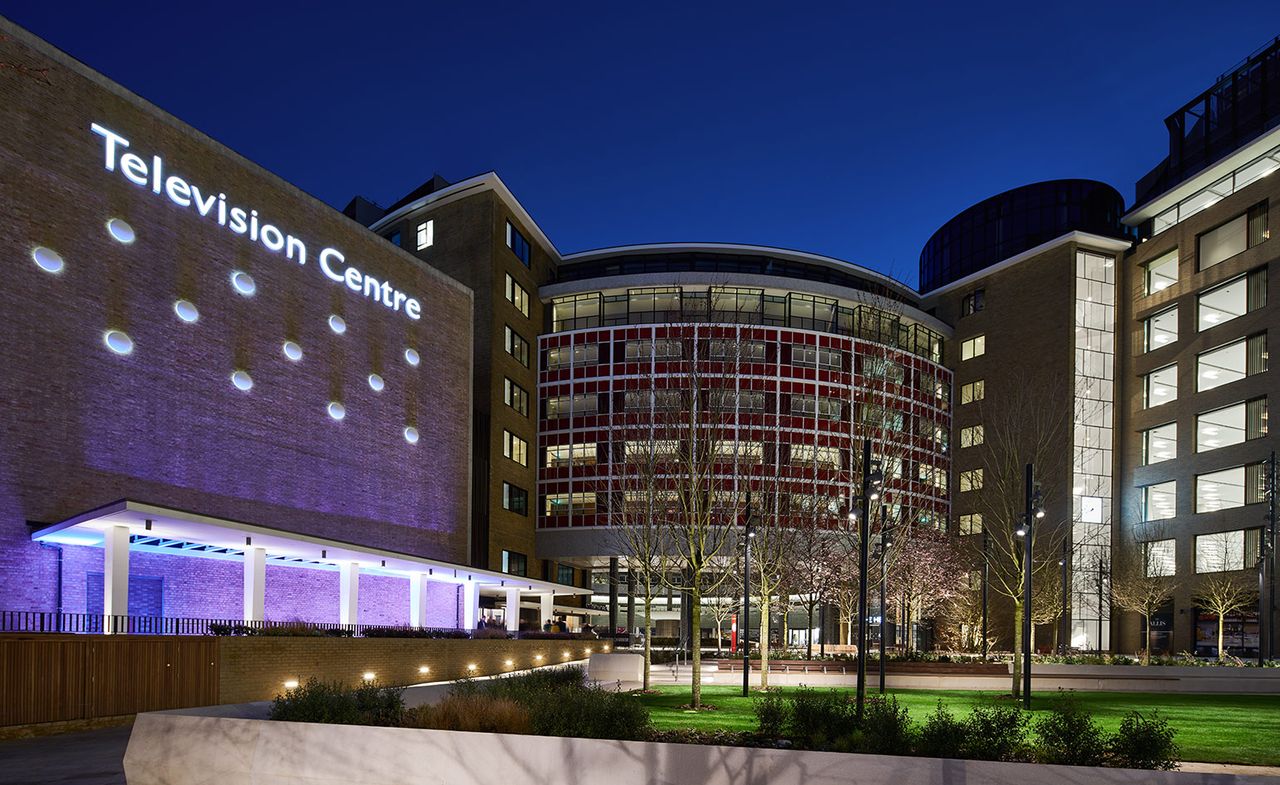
{"x": 1007, "y": 224}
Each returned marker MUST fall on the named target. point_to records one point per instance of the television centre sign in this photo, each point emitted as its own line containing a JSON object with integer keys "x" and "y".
{"x": 151, "y": 174}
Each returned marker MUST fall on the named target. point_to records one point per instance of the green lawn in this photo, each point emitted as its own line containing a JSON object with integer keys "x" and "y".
{"x": 1210, "y": 728}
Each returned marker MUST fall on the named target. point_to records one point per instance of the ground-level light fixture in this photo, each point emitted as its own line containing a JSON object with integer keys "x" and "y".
{"x": 291, "y": 684}
{"x": 369, "y": 676}
{"x": 424, "y": 669}
{"x": 471, "y": 666}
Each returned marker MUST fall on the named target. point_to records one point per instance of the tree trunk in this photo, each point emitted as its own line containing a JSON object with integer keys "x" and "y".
{"x": 1222, "y": 626}
{"x": 648, "y": 652}
{"x": 808, "y": 633}
{"x": 695, "y": 618}
{"x": 719, "y": 626}
{"x": 764, "y": 643}
{"x": 1017, "y": 649}
{"x": 1146, "y": 655}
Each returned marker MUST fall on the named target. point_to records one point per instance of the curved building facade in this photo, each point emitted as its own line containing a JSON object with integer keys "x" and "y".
{"x": 794, "y": 360}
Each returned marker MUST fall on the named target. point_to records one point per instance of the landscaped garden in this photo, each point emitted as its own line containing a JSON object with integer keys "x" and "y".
{"x": 1210, "y": 728}
{"x": 1130, "y": 730}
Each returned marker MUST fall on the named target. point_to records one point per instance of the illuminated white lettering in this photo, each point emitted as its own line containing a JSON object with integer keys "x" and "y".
{"x": 112, "y": 139}
{"x": 238, "y": 223}
{"x": 134, "y": 168}
{"x": 272, "y": 237}
{"x": 178, "y": 191}
{"x": 325, "y": 256}
{"x": 413, "y": 308}
{"x": 202, "y": 206}
{"x": 293, "y": 244}
{"x": 353, "y": 277}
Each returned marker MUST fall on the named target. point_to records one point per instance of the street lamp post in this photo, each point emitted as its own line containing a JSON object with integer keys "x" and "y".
{"x": 886, "y": 539}
{"x": 1267, "y": 571}
{"x": 871, "y": 482}
{"x": 986, "y": 579}
{"x": 1064, "y": 617}
{"x": 1027, "y": 531}
{"x": 746, "y": 604}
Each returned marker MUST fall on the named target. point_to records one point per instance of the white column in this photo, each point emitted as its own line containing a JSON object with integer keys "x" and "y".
{"x": 115, "y": 574}
{"x": 255, "y": 584}
{"x": 470, "y": 604}
{"x": 513, "y": 610}
{"x": 418, "y": 584}
{"x": 546, "y": 608}
{"x": 348, "y": 592}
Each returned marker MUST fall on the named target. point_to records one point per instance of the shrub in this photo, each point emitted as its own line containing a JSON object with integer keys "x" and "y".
{"x": 492, "y": 632}
{"x": 942, "y": 735}
{"x": 1068, "y": 735}
{"x": 772, "y": 712}
{"x": 1143, "y": 743}
{"x": 822, "y": 719}
{"x": 561, "y": 703}
{"x": 886, "y": 728}
{"x": 479, "y": 713}
{"x": 333, "y": 702}
{"x": 995, "y": 733}
{"x": 718, "y": 737}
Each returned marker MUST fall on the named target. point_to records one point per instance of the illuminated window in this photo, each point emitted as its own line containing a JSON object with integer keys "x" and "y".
{"x": 515, "y": 448}
{"x": 576, "y": 355}
{"x": 973, "y": 391}
{"x": 571, "y": 503}
{"x": 733, "y": 400}
{"x": 1234, "y": 487}
{"x": 518, "y": 244}
{"x": 817, "y": 357}
{"x": 1231, "y": 425}
{"x": 816, "y": 406}
{"x": 971, "y": 480}
{"x": 1159, "y": 501}
{"x": 515, "y": 499}
{"x": 1160, "y": 330}
{"x": 577, "y": 404}
{"x": 515, "y": 396}
{"x": 516, "y": 346}
{"x": 971, "y": 523}
{"x": 661, "y": 400}
{"x": 517, "y": 296}
{"x": 813, "y": 455}
{"x": 1159, "y": 558}
{"x": 1161, "y": 272}
{"x": 1234, "y": 237}
{"x": 730, "y": 451}
{"x": 426, "y": 234}
{"x": 1232, "y": 299}
{"x": 1160, "y": 444}
{"x": 1228, "y": 551}
{"x": 728, "y": 349}
{"x": 973, "y": 347}
{"x": 972, "y": 436}
{"x": 658, "y": 349}
{"x": 1160, "y": 386}
{"x": 515, "y": 563}
{"x": 583, "y": 454}
{"x": 1231, "y": 362}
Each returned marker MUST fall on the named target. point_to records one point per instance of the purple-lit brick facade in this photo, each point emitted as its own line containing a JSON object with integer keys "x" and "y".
{"x": 163, "y": 424}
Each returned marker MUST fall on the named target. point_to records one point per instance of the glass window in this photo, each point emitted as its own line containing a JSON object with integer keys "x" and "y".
{"x": 571, "y": 503}
{"x": 515, "y": 448}
{"x": 883, "y": 368}
{"x": 973, "y": 347}
{"x": 935, "y": 476}
{"x": 426, "y": 234}
{"x": 577, "y": 355}
{"x": 973, "y": 391}
{"x": 1221, "y": 552}
{"x": 730, "y": 349}
{"x": 1159, "y": 501}
{"x": 1231, "y": 362}
{"x": 1161, "y": 329}
{"x": 640, "y": 451}
{"x": 515, "y": 563}
{"x": 1231, "y": 425}
{"x": 515, "y": 396}
{"x": 1160, "y": 386}
{"x": 731, "y": 400}
{"x": 1234, "y": 487}
{"x": 662, "y": 400}
{"x": 515, "y": 499}
{"x": 1222, "y": 303}
{"x": 577, "y": 404}
{"x": 1224, "y": 242}
{"x": 819, "y": 406}
{"x": 517, "y": 346}
{"x": 394, "y": 237}
{"x": 1160, "y": 444}
{"x": 1162, "y": 272}
{"x": 971, "y": 523}
{"x": 817, "y": 357}
{"x": 973, "y": 302}
{"x": 575, "y": 311}
{"x": 971, "y": 436}
{"x": 1159, "y": 558}
{"x": 659, "y": 349}
{"x": 564, "y": 574}
{"x": 742, "y": 452}
{"x": 518, "y": 244}
{"x": 971, "y": 480}
{"x": 878, "y": 416}
{"x": 517, "y": 296}
{"x": 811, "y": 455}
{"x": 583, "y": 454}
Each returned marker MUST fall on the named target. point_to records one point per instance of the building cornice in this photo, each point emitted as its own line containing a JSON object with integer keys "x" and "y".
{"x": 1096, "y": 241}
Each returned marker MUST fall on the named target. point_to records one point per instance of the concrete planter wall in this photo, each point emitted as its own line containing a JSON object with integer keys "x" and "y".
{"x": 208, "y": 745}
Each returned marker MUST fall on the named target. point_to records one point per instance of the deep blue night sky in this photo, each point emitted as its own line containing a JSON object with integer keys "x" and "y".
{"x": 845, "y": 131}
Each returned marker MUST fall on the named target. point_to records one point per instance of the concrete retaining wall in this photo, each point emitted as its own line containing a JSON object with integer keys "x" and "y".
{"x": 202, "y": 746}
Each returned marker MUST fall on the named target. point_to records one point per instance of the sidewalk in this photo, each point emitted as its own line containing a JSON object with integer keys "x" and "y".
{"x": 94, "y": 757}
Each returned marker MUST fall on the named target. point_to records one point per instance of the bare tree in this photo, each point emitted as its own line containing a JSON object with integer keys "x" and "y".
{"x": 772, "y": 554}
{"x": 1140, "y": 582}
{"x": 927, "y": 578}
{"x": 638, "y": 535}
{"x": 1222, "y": 594}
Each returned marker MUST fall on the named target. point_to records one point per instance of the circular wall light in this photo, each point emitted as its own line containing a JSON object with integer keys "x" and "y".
{"x": 411, "y": 435}
{"x": 243, "y": 283}
{"x": 412, "y": 357}
{"x": 186, "y": 310}
{"x": 336, "y": 410}
{"x": 121, "y": 231}
{"x": 118, "y": 341}
{"x": 337, "y": 324}
{"x": 376, "y": 382}
{"x": 292, "y": 351}
{"x": 48, "y": 260}
{"x": 242, "y": 380}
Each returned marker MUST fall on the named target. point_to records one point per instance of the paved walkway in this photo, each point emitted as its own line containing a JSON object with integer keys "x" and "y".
{"x": 94, "y": 757}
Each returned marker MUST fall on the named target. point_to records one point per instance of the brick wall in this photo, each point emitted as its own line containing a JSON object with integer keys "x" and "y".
{"x": 256, "y": 668}
{"x": 164, "y": 425}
